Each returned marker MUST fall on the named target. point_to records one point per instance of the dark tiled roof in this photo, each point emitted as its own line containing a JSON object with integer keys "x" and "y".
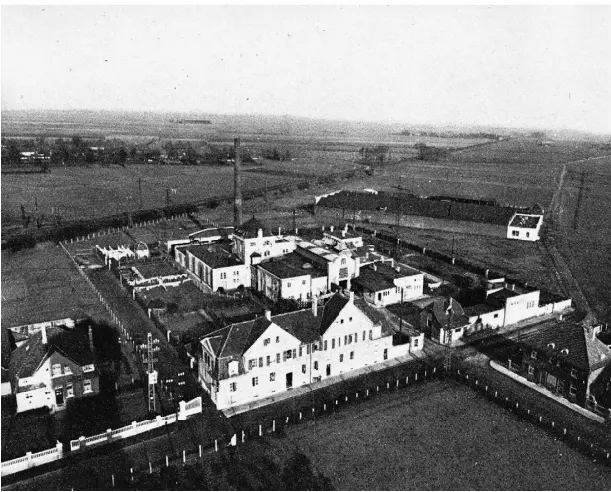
{"x": 383, "y": 276}
{"x": 584, "y": 350}
{"x": 498, "y": 299}
{"x": 377, "y": 316}
{"x": 478, "y": 309}
{"x": 214, "y": 256}
{"x": 525, "y": 221}
{"x": 250, "y": 229}
{"x": 440, "y": 309}
{"x": 72, "y": 343}
{"x": 331, "y": 311}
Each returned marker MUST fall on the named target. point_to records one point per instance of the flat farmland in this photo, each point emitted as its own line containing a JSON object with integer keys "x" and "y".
{"x": 439, "y": 436}
{"x": 583, "y": 234}
{"x": 86, "y": 192}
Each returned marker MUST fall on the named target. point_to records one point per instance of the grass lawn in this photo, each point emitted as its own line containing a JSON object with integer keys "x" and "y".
{"x": 439, "y": 436}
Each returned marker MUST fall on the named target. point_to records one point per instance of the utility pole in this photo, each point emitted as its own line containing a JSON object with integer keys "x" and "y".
{"x": 452, "y": 245}
{"x": 447, "y": 362}
{"x": 152, "y": 374}
{"x": 294, "y": 221}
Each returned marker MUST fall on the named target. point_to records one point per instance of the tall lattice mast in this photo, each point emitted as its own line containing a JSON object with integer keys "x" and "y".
{"x": 152, "y": 374}
{"x": 447, "y": 362}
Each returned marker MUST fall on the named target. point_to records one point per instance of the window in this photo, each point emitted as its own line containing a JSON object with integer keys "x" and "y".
{"x": 260, "y": 361}
{"x": 294, "y": 353}
{"x": 303, "y": 368}
{"x": 316, "y": 365}
{"x": 88, "y": 368}
{"x": 531, "y": 370}
{"x": 288, "y": 284}
{"x": 87, "y": 386}
{"x": 515, "y": 233}
{"x": 251, "y": 364}
{"x": 370, "y": 334}
{"x": 416, "y": 341}
{"x": 67, "y": 370}
{"x": 266, "y": 342}
{"x": 255, "y": 381}
{"x": 343, "y": 261}
{"x": 528, "y": 234}
{"x": 303, "y": 282}
{"x": 341, "y": 357}
{"x": 287, "y": 354}
{"x": 236, "y": 273}
{"x": 385, "y": 354}
{"x": 278, "y": 358}
{"x": 332, "y": 343}
{"x": 349, "y": 338}
{"x": 223, "y": 276}
{"x": 341, "y": 321}
{"x": 325, "y": 345}
{"x": 351, "y": 355}
{"x": 69, "y": 390}
{"x": 300, "y": 350}
{"x": 496, "y": 315}
{"x": 56, "y": 370}
{"x": 345, "y": 339}
{"x": 533, "y": 354}
{"x": 308, "y": 349}
{"x": 233, "y": 368}
{"x": 364, "y": 335}
{"x": 272, "y": 376}
{"x": 573, "y": 373}
{"x": 277, "y": 339}
{"x": 233, "y": 387}
{"x": 350, "y": 319}
{"x": 316, "y": 379}
{"x": 572, "y": 390}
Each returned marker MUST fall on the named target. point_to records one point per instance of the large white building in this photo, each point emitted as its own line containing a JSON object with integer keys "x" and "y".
{"x": 254, "y": 242}
{"x": 270, "y": 355}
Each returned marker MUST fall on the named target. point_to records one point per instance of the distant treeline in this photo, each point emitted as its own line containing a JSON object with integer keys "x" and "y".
{"x": 486, "y": 135}
{"x": 194, "y": 122}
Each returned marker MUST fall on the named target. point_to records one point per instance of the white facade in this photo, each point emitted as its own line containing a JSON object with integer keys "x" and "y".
{"x": 213, "y": 277}
{"x": 278, "y": 361}
{"x": 517, "y": 227}
{"x": 262, "y": 247}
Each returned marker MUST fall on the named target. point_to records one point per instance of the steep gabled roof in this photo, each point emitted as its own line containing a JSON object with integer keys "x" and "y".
{"x": 441, "y": 311}
{"x": 331, "y": 311}
{"x": 585, "y": 351}
{"x": 71, "y": 343}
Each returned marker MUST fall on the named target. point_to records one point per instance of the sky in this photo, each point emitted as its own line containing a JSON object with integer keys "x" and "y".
{"x": 512, "y": 66}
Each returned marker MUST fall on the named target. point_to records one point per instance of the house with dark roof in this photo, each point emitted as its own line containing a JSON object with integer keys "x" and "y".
{"x": 214, "y": 266}
{"x": 525, "y": 227}
{"x": 256, "y": 359}
{"x": 53, "y": 366}
{"x": 384, "y": 284}
{"x": 254, "y": 242}
{"x": 567, "y": 359}
{"x": 290, "y": 277}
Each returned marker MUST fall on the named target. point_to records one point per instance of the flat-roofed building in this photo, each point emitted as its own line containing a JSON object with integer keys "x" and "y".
{"x": 254, "y": 242}
{"x": 385, "y": 284}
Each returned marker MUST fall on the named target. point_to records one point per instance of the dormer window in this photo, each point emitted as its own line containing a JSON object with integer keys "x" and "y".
{"x": 533, "y": 354}
{"x": 88, "y": 368}
{"x": 551, "y": 345}
{"x": 56, "y": 370}
{"x": 565, "y": 351}
{"x": 233, "y": 368}
{"x": 67, "y": 370}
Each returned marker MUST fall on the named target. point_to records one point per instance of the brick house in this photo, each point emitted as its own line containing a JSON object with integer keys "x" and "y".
{"x": 52, "y": 366}
{"x": 566, "y": 359}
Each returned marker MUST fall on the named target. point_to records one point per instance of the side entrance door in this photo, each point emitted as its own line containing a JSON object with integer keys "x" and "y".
{"x": 289, "y": 380}
{"x": 328, "y": 369}
{"x": 59, "y": 396}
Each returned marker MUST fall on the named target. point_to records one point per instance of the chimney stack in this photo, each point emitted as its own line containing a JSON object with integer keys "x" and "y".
{"x": 315, "y": 305}
{"x": 268, "y": 315}
{"x": 90, "y": 333}
{"x": 237, "y": 184}
{"x": 351, "y": 296}
{"x": 44, "y": 334}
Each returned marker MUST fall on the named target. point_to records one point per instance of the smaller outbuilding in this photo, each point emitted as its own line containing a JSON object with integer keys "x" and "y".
{"x": 525, "y": 227}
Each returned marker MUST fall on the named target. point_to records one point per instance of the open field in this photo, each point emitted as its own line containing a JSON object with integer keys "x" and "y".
{"x": 440, "y": 436}
{"x": 41, "y": 284}
{"x": 583, "y": 232}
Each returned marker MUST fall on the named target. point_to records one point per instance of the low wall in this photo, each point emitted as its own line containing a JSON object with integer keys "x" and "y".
{"x": 32, "y": 460}
{"x": 415, "y": 221}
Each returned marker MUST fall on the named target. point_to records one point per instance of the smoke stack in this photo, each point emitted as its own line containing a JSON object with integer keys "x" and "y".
{"x": 237, "y": 184}
{"x": 315, "y": 305}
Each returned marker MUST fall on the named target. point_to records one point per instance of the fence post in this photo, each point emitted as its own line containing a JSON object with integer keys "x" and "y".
{"x": 260, "y": 430}
{"x": 150, "y": 468}
{"x": 184, "y": 456}
{"x": 113, "y": 480}
{"x": 243, "y": 436}
{"x": 167, "y": 462}
{"x": 216, "y": 446}
{"x": 274, "y": 425}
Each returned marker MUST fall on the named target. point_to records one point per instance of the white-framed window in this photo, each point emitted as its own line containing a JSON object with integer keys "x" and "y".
{"x": 364, "y": 335}
{"x": 278, "y": 358}
{"x": 515, "y": 233}
{"x": 87, "y": 386}
{"x": 69, "y": 390}
{"x": 255, "y": 381}
{"x": 288, "y": 284}
{"x": 303, "y": 282}
{"x": 223, "y": 275}
{"x": 531, "y": 370}
{"x": 533, "y": 354}
{"x": 316, "y": 365}
{"x": 325, "y": 345}
{"x": 303, "y": 368}
{"x": 233, "y": 387}
{"x": 266, "y": 342}
{"x": 528, "y": 234}
{"x": 351, "y": 355}
{"x": 277, "y": 339}
{"x": 341, "y": 357}
{"x": 370, "y": 334}
{"x": 67, "y": 369}
{"x": 332, "y": 343}
{"x": 341, "y": 321}
{"x": 268, "y": 360}
{"x": 88, "y": 368}
{"x": 56, "y": 370}
{"x": 260, "y": 361}
{"x": 236, "y": 273}
{"x": 252, "y": 363}
{"x": 416, "y": 342}
{"x": 300, "y": 350}
{"x": 272, "y": 376}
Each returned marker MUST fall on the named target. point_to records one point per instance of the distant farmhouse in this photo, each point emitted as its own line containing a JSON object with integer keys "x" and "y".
{"x": 525, "y": 227}
{"x": 248, "y": 361}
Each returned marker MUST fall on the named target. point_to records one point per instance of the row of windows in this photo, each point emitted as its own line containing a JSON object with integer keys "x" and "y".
{"x": 534, "y": 355}
{"x": 56, "y": 369}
